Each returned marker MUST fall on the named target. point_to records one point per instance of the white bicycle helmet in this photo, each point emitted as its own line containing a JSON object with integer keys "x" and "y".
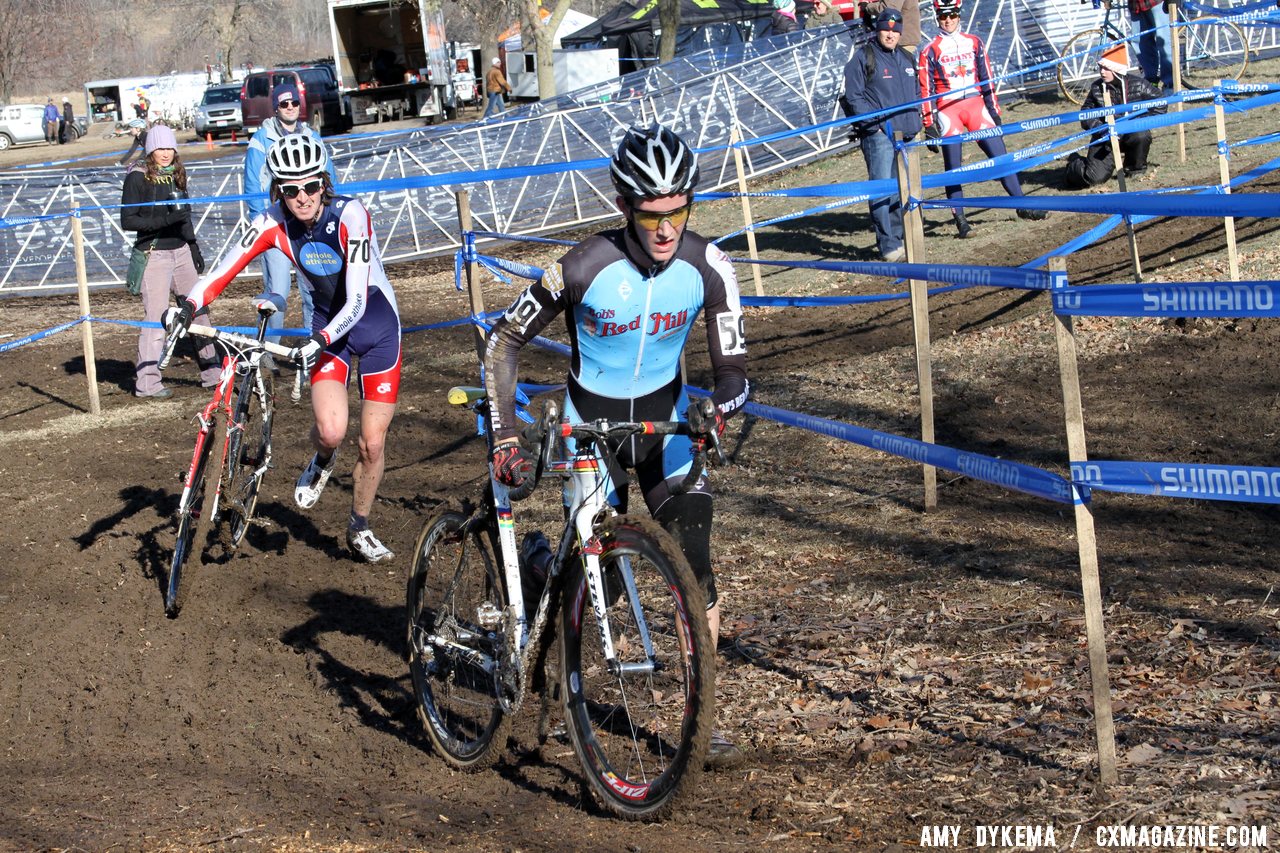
{"x": 296, "y": 156}
{"x": 941, "y": 7}
{"x": 653, "y": 161}
{"x": 138, "y": 124}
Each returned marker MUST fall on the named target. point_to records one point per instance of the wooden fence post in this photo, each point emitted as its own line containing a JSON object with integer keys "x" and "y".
{"x": 909, "y": 187}
{"x": 474, "y": 293}
{"x": 1175, "y": 51}
{"x": 734, "y": 138}
{"x": 1224, "y": 174}
{"x": 1120, "y": 178}
{"x": 86, "y": 328}
{"x": 1086, "y": 542}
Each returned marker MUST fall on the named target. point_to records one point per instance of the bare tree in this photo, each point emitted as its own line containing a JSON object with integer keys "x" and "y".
{"x": 544, "y": 36}
{"x": 34, "y": 35}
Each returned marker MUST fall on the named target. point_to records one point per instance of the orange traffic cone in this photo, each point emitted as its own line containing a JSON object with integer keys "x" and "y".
{"x": 233, "y": 134}
{"x": 208, "y": 141}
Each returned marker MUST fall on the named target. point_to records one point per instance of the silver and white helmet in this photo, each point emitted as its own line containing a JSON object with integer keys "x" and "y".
{"x": 296, "y": 156}
{"x": 653, "y": 161}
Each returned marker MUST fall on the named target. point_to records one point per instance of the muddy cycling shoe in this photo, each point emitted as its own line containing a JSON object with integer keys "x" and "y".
{"x": 721, "y": 754}
{"x": 309, "y": 486}
{"x": 367, "y": 547}
{"x": 1033, "y": 215}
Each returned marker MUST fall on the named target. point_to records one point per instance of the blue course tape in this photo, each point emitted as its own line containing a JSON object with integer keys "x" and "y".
{"x": 8, "y": 345}
{"x": 1207, "y": 204}
{"x": 970, "y": 276}
{"x": 1181, "y": 480}
{"x": 1000, "y": 472}
{"x": 1182, "y": 299}
{"x": 239, "y": 330}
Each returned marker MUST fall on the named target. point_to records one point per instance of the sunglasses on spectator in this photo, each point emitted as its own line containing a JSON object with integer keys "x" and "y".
{"x": 652, "y": 220}
{"x": 311, "y": 187}
{"x": 284, "y": 105}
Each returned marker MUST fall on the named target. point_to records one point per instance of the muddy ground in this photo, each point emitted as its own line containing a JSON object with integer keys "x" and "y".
{"x": 884, "y": 669}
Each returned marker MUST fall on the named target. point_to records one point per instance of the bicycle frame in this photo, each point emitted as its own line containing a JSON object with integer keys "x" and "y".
{"x": 587, "y": 506}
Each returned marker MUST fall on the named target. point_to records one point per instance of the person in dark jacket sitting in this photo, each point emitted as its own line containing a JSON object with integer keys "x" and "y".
{"x": 880, "y": 76}
{"x": 174, "y": 262}
{"x": 1124, "y": 87}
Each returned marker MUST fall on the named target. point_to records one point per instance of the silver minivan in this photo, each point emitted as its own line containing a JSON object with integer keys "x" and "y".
{"x": 219, "y": 111}
{"x": 23, "y": 124}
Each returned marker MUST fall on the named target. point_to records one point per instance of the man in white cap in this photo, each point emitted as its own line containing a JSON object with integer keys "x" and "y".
{"x": 496, "y": 86}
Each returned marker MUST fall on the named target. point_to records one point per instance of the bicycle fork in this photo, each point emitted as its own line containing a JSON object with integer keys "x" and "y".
{"x": 588, "y": 503}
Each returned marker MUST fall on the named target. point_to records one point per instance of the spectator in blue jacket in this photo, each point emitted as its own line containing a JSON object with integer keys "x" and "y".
{"x": 51, "y": 119}
{"x": 879, "y": 77}
{"x": 276, "y": 266}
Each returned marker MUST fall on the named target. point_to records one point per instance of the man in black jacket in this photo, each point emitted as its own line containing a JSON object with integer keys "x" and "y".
{"x": 881, "y": 76}
{"x": 1124, "y": 87}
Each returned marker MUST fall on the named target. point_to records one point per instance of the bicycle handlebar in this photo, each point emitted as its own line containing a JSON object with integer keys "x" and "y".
{"x": 233, "y": 338}
{"x": 600, "y": 432}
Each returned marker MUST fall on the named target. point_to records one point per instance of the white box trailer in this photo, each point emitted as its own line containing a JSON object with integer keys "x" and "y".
{"x": 392, "y": 60}
{"x": 172, "y": 97}
{"x": 574, "y": 69}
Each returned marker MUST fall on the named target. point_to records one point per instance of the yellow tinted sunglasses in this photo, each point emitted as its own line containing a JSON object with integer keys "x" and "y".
{"x": 652, "y": 221}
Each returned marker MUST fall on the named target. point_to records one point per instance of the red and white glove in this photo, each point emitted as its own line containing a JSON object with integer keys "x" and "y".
{"x": 511, "y": 465}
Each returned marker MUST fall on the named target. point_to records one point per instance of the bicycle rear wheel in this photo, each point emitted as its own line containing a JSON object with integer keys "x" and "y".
{"x": 1212, "y": 52}
{"x": 247, "y": 456}
{"x": 641, "y": 730}
{"x": 1079, "y": 66}
{"x": 455, "y": 599}
{"x": 195, "y": 517}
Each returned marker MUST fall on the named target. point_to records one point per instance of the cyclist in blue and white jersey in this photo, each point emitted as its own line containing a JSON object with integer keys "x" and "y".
{"x": 330, "y": 240}
{"x": 630, "y": 298}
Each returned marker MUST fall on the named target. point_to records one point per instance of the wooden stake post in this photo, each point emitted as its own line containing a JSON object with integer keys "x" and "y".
{"x": 474, "y": 293}
{"x": 1224, "y": 174}
{"x": 86, "y": 328}
{"x": 1175, "y": 50}
{"x": 909, "y": 187}
{"x": 1117, "y": 159}
{"x": 1091, "y": 587}
{"x": 747, "y": 220}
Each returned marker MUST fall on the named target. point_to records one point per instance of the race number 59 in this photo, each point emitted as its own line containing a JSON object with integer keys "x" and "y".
{"x": 733, "y": 338}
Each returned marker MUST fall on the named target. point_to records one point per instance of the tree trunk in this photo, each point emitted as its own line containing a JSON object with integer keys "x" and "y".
{"x": 669, "y": 20}
{"x": 544, "y": 36}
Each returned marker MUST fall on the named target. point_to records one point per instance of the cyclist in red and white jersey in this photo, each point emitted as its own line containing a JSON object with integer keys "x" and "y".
{"x": 330, "y": 239}
{"x": 955, "y": 81}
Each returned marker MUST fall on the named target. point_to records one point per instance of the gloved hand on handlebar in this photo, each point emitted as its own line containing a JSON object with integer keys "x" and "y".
{"x": 178, "y": 319}
{"x": 309, "y": 353}
{"x": 704, "y": 418}
{"x": 511, "y": 465}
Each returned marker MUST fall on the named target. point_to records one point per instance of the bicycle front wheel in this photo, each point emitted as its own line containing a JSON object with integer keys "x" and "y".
{"x": 248, "y": 454}
{"x": 1210, "y": 52}
{"x": 195, "y": 514}
{"x": 1079, "y": 66}
{"x": 641, "y": 723}
{"x": 455, "y": 601}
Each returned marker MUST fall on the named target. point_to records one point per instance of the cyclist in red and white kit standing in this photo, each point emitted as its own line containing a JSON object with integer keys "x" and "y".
{"x": 330, "y": 239}
{"x": 950, "y": 66}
